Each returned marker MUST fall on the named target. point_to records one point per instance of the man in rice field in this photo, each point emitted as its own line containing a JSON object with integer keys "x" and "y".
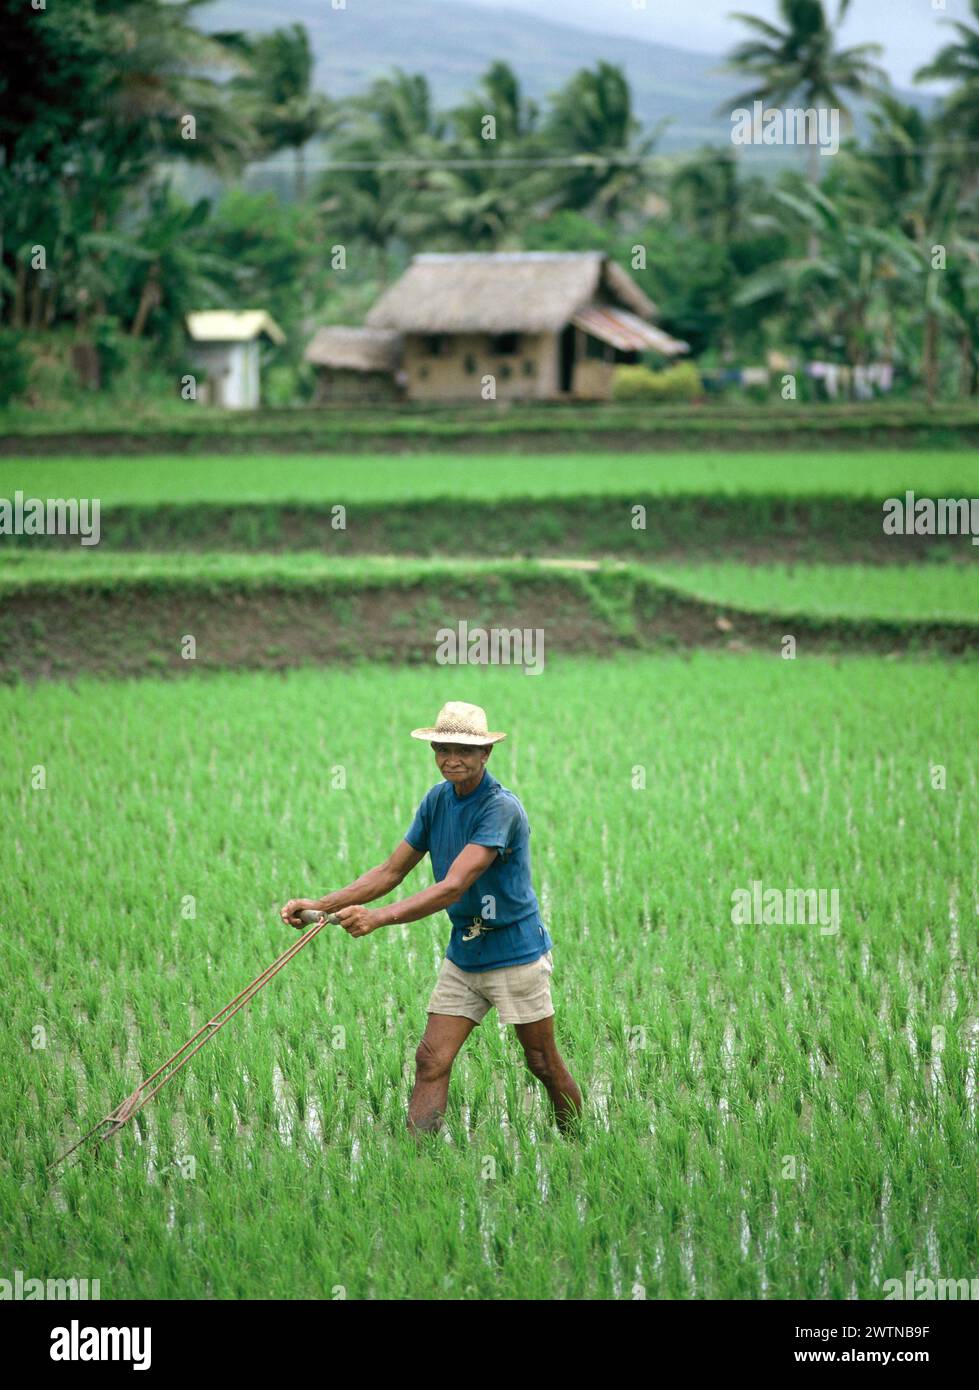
{"x": 499, "y": 953}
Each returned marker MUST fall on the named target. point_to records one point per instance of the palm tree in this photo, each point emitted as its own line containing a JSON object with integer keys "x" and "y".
{"x": 156, "y": 78}
{"x": 889, "y": 181}
{"x": 959, "y": 62}
{"x": 839, "y": 293}
{"x": 897, "y": 180}
{"x": 592, "y": 121}
{"x": 499, "y": 95}
{"x": 285, "y": 110}
{"x": 488, "y": 183}
{"x": 801, "y": 60}
{"x": 398, "y": 138}
{"x": 403, "y": 112}
{"x": 962, "y": 294}
{"x": 707, "y": 193}
{"x": 893, "y": 171}
{"x": 708, "y": 198}
{"x": 950, "y": 293}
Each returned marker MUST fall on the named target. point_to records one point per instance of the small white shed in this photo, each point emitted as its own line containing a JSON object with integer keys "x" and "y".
{"x": 226, "y": 350}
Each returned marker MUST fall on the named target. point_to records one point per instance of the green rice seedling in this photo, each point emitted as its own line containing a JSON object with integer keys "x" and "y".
{"x": 936, "y": 592}
{"x": 351, "y": 478}
{"x": 773, "y": 1108}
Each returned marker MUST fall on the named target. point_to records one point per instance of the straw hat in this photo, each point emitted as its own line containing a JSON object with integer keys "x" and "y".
{"x": 459, "y": 723}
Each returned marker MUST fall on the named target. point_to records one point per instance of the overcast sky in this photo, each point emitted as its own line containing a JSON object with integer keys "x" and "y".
{"x": 909, "y": 30}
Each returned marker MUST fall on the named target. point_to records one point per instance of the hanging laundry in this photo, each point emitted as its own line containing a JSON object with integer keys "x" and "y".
{"x": 832, "y": 378}
{"x": 862, "y": 385}
{"x": 837, "y": 378}
{"x": 882, "y": 374}
{"x": 755, "y": 376}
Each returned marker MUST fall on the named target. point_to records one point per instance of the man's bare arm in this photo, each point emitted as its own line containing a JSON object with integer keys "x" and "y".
{"x": 371, "y": 885}
{"x": 472, "y": 861}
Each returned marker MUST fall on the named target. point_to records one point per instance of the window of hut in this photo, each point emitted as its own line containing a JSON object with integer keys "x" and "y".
{"x": 595, "y": 348}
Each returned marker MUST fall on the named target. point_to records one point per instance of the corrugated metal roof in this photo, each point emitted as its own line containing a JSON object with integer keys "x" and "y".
{"x": 626, "y": 331}
{"x": 232, "y": 326}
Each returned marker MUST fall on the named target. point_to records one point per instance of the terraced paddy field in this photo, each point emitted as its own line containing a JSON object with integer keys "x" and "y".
{"x": 753, "y": 507}
{"x": 208, "y": 712}
{"x": 931, "y": 591}
{"x": 772, "y": 1110}
{"x": 381, "y": 478}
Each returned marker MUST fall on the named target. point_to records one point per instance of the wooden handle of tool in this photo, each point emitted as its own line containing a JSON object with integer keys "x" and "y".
{"x": 309, "y": 915}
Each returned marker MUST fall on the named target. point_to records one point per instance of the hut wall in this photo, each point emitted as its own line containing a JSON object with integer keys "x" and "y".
{"x": 593, "y": 368}
{"x": 456, "y": 374}
{"x": 593, "y": 380}
{"x": 248, "y": 386}
{"x": 343, "y": 384}
{"x": 232, "y": 371}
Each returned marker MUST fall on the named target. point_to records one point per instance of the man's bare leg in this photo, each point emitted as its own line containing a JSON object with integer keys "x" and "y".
{"x": 547, "y": 1064}
{"x": 444, "y": 1035}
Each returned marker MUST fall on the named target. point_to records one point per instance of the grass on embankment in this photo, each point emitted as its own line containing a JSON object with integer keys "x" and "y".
{"x": 926, "y": 593}
{"x": 933, "y": 593}
{"x": 745, "y": 506}
{"x": 474, "y": 426}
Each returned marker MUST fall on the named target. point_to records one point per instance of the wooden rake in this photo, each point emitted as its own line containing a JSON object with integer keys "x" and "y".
{"x": 134, "y": 1102}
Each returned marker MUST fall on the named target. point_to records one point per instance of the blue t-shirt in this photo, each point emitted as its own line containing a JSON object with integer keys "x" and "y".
{"x": 510, "y": 930}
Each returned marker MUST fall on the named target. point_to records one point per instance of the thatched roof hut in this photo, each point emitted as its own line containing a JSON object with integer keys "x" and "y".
{"x": 504, "y": 292}
{"x": 355, "y": 349}
{"x": 355, "y": 364}
{"x": 523, "y": 325}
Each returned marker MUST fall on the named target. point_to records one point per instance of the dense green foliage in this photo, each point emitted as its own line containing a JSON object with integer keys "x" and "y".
{"x": 639, "y": 383}
{"x": 97, "y": 239}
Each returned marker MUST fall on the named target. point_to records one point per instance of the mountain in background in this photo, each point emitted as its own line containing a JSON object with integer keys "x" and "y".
{"x": 453, "y": 44}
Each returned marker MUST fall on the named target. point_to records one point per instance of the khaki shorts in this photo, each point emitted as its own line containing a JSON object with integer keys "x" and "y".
{"x": 521, "y": 993}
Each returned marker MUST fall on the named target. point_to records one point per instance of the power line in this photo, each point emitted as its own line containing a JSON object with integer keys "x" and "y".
{"x": 586, "y": 161}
